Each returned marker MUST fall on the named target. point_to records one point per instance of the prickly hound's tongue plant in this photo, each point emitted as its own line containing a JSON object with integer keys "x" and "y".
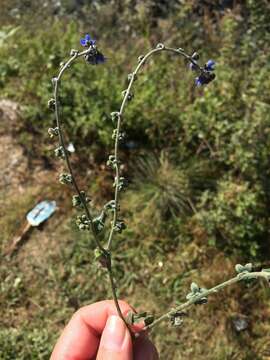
{"x": 110, "y": 214}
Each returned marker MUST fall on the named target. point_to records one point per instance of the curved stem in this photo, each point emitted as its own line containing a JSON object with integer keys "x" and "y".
{"x": 160, "y": 48}
{"x": 106, "y": 251}
{"x": 62, "y": 143}
{"x": 116, "y": 146}
{"x": 74, "y": 182}
{"x": 241, "y": 277}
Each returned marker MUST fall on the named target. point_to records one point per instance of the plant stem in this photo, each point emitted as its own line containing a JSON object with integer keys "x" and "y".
{"x": 120, "y": 115}
{"x": 62, "y": 143}
{"x": 240, "y": 277}
{"x": 115, "y": 298}
{"x": 74, "y": 182}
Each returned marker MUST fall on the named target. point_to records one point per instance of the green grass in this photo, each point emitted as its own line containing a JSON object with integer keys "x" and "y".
{"x": 54, "y": 273}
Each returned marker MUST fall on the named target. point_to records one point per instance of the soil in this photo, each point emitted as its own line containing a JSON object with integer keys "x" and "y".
{"x": 21, "y": 186}
{"x": 13, "y": 163}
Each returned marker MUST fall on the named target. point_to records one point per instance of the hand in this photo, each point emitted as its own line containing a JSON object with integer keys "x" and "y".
{"x": 97, "y": 332}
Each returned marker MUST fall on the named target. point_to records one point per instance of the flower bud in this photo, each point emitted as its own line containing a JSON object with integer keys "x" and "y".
{"x": 248, "y": 267}
{"x": 59, "y": 152}
{"x": 83, "y": 222}
{"x": 115, "y": 116}
{"x": 53, "y": 132}
{"x": 194, "y": 288}
{"x": 160, "y": 46}
{"x": 119, "y": 226}
{"x": 99, "y": 221}
{"x": 239, "y": 268}
{"x": 65, "y": 178}
{"x": 51, "y": 104}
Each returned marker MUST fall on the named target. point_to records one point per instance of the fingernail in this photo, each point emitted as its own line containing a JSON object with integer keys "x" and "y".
{"x": 113, "y": 335}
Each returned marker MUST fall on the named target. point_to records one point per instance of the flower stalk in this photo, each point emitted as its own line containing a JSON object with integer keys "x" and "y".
{"x": 103, "y": 254}
{"x": 241, "y": 277}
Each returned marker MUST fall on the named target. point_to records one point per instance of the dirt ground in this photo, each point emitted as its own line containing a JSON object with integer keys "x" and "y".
{"x": 30, "y": 184}
{"x": 13, "y": 163}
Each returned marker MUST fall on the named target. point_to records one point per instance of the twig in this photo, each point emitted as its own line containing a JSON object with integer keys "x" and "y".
{"x": 204, "y": 294}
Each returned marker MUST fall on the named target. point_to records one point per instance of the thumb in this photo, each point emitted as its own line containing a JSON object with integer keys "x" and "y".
{"x": 115, "y": 342}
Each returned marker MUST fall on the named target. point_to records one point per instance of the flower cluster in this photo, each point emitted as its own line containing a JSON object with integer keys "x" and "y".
{"x": 94, "y": 56}
{"x": 83, "y": 222}
{"x": 119, "y": 226}
{"x": 65, "y": 179}
{"x": 206, "y": 72}
{"x": 53, "y": 132}
{"x": 59, "y": 152}
{"x": 77, "y": 200}
{"x": 195, "y": 291}
{"x": 87, "y": 41}
{"x": 99, "y": 221}
{"x": 243, "y": 268}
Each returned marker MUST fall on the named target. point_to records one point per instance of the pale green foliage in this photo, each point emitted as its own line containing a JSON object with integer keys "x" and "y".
{"x": 233, "y": 217}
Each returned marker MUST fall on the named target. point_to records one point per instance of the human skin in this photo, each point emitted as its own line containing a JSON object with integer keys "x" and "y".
{"x": 96, "y": 332}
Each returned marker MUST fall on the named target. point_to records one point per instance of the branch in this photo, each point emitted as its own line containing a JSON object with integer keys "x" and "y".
{"x": 119, "y": 115}
{"x": 201, "y": 296}
{"x": 74, "y": 55}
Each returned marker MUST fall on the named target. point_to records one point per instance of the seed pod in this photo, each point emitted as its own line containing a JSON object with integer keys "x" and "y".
{"x": 53, "y": 132}
{"x": 51, "y": 104}
{"x": 65, "y": 179}
{"x": 59, "y": 152}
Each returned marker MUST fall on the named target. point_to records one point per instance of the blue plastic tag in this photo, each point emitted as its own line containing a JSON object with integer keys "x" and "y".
{"x": 41, "y": 212}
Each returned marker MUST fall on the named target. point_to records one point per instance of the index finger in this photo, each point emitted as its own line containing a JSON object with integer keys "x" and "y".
{"x": 80, "y": 338}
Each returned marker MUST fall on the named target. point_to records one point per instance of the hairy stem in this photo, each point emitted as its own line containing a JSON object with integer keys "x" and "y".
{"x": 115, "y": 298}
{"x": 74, "y": 182}
{"x": 240, "y": 277}
{"x": 159, "y": 48}
{"x": 62, "y": 143}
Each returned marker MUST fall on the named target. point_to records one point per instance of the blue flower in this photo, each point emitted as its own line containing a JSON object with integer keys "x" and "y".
{"x": 210, "y": 65}
{"x": 199, "y": 81}
{"x": 100, "y": 58}
{"x": 204, "y": 78}
{"x": 87, "y": 41}
{"x": 95, "y": 57}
